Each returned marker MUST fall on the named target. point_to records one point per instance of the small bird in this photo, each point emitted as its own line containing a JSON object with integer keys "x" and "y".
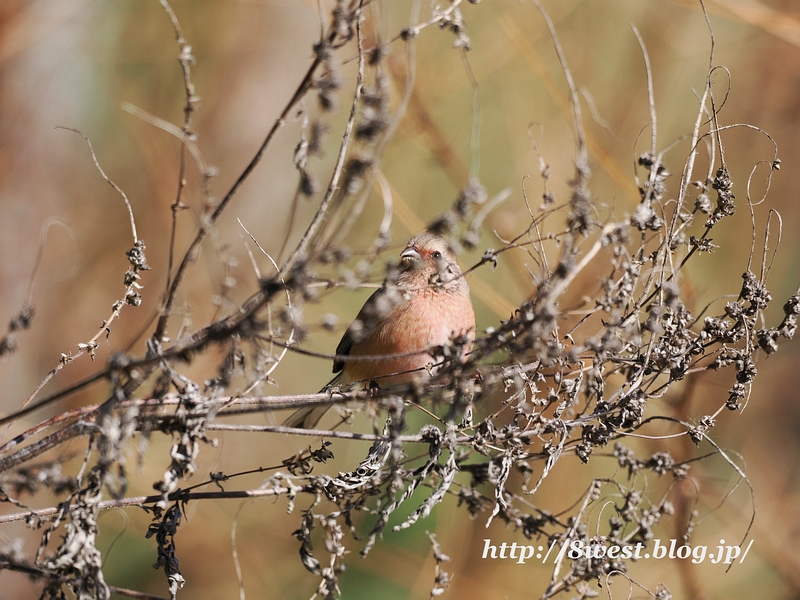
{"x": 427, "y": 305}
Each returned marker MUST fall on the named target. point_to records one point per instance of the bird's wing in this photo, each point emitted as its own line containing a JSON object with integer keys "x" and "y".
{"x": 367, "y": 317}
{"x": 343, "y": 349}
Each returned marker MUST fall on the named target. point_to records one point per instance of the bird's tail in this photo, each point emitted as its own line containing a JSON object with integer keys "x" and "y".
{"x": 308, "y": 416}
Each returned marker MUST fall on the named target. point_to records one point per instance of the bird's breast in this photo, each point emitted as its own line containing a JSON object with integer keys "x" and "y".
{"x": 424, "y": 319}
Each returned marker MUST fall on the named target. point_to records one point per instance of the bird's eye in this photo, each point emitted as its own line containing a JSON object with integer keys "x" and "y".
{"x": 437, "y": 255}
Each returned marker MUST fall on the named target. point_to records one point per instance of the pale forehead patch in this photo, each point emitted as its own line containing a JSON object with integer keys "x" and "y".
{"x": 430, "y": 241}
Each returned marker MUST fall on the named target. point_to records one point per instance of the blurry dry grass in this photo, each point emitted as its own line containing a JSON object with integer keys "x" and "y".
{"x": 73, "y": 63}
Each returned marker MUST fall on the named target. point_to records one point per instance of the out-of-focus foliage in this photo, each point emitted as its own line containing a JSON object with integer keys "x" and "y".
{"x": 64, "y": 234}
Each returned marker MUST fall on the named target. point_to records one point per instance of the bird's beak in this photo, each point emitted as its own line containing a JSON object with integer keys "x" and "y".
{"x": 410, "y": 254}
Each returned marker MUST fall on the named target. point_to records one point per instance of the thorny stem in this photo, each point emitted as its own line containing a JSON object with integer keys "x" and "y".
{"x": 107, "y": 180}
{"x": 131, "y": 297}
{"x": 557, "y": 396}
{"x": 185, "y": 59}
{"x": 322, "y": 212}
{"x": 142, "y": 500}
{"x": 301, "y": 90}
{"x": 402, "y": 105}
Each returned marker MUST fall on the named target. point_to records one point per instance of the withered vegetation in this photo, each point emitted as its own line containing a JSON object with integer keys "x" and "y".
{"x": 556, "y": 382}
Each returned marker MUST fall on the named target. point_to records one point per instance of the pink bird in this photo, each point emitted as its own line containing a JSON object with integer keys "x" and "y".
{"x": 427, "y": 306}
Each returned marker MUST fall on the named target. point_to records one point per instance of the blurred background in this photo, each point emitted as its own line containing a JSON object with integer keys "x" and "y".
{"x": 73, "y": 63}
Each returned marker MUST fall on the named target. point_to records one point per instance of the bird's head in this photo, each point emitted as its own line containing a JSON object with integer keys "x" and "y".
{"x": 429, "y": 260}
